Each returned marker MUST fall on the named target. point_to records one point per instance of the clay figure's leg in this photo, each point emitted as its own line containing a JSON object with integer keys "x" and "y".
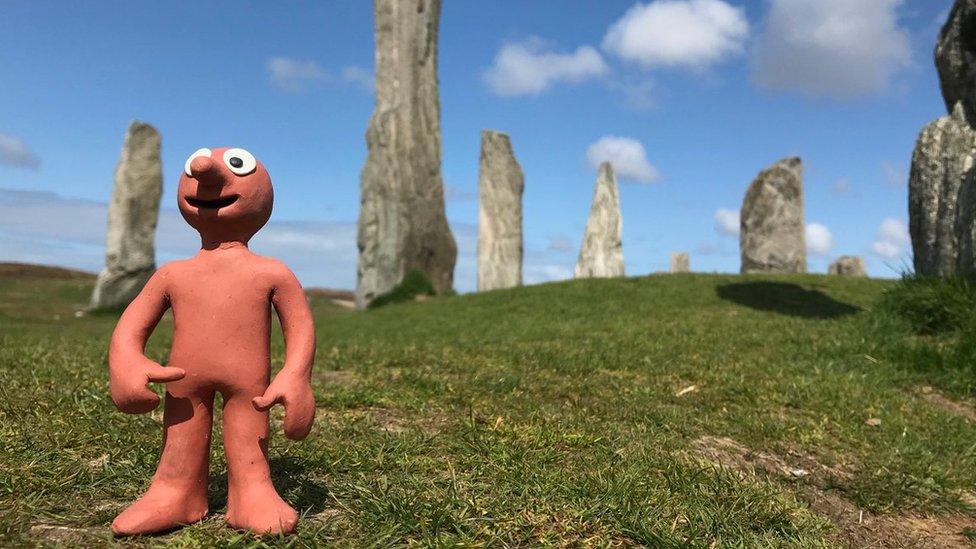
{"x": 178, "y": 493}
{"x": 252, "y": 501}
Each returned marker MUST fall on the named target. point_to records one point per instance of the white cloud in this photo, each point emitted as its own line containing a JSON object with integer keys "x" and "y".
{"x": 893, "y": 238}
{"x": 727, "y": 222}
{"x": 678, "y": 33}
{"x": 887, "y": 250}
{"x": 358, "y": 76}
{"x": 14, "y": 152}
{"x": 819, "y": 239}
{"x": 628, "y": 157}
{"x": 300, "y": 236}
{"x": 894, "y": 230}
{"x": 838, "y": 48}
{"x": 528, "y": 68}
{"x": 295, "y": 75}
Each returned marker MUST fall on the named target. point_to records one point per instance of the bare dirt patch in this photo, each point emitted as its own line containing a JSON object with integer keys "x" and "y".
{"x": 61, "y": 534}
{"x": 961, "y": 409}
{"x": 733, "y": 455}
{"x": 855, "y": 527}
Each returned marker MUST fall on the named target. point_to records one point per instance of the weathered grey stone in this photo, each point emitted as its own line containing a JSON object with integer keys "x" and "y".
{"x": 601, "y": 254}
{"x": 940, "y": 201}
{"x": 500, "y": 184}
{"x": 771, "y": 238}
{"x": 402, "y": 223}
{"x": 955, "y": 57}
{"x": 848, "y": 265}
{"x": 680, "y": 263}
{"x": 130, "y": 254}
{"x": 942, "y": 185}
{"x": 965, "y": 229}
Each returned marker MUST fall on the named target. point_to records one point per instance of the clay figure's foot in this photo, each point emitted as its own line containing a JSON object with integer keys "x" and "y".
{"x": 161, "y": 508}
{"x": 261, "y": 510}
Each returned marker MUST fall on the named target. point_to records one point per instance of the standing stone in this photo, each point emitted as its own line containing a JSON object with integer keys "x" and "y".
{"x": 966, "y": 210}
{"x": 500, "y": 184}
{"x": 939, "y": 206}
{"x": 955, "y": 58}
{"x": 680, "y": 263}
{"x": 771, "y": 237}
{"x": 942, "y": 184}
{"x": 601, "y": 254}
{"x": 848, "y": 265}
{"x": 130, "y": 254}
{"x": 402, "y": 222}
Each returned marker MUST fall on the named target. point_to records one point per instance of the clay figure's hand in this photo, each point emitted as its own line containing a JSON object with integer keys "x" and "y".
{"x": 296, "y": 396}
{"x": 128, "y": 384}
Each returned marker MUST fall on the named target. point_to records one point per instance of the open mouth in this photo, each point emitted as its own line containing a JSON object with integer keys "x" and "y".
{"x": 221, "y": 202}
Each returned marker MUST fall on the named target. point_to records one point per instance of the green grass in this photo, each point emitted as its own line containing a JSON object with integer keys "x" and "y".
{"x": 413, "y": 285}
{"x": 928, "y": 325}
{"x": 929, "y": 305}
{"x": 545, "y": 415}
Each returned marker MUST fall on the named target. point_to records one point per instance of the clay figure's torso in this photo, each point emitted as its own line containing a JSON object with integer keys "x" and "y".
{"x": 221, "y": 302}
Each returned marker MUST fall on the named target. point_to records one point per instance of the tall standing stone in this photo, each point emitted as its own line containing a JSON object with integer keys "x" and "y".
{"x": 130, "y": 254}
{"x": 942, "y": 183}
{"x": 942, "y": 169}
{"x": 680, "y": 263}
{"x": 601, "y": 254}
{"x": 500, "y": 185}
{"x": 402, "y": 222}
{"x": 955, "y": 58}
{"x": 771, "y": 238}
{"x": 848, "y": 265}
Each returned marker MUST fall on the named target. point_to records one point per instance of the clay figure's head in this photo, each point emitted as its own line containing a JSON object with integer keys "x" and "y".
{"x": 225, "y": 194}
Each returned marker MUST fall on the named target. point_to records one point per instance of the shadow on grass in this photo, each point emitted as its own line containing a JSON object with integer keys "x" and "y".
{"x": 291, "y": 478}
{"x": 785, "y": 298}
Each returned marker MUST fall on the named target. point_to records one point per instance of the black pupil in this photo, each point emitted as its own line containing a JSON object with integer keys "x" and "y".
{"x": 236, "y": 162}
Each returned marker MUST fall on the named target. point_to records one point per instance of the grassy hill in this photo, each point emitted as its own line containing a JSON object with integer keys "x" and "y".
{"x": 668, "y": 411}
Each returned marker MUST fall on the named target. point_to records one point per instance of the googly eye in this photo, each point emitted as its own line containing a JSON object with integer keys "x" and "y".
{"x": 240, "y": 161}
{"x": 199, "y": 152}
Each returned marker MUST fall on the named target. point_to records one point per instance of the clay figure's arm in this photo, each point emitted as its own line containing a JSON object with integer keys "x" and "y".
{"x": 129, "y": 369}
{"x": 292, "y": 387}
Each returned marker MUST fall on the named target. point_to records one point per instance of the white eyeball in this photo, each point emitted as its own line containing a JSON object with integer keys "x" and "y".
{"x": 199, "y": 152}
{"x": 240, "y": 161}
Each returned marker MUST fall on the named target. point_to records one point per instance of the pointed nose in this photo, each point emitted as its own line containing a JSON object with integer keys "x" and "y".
{"x": 202, "y": 166}
{"x": 206, "y": 171}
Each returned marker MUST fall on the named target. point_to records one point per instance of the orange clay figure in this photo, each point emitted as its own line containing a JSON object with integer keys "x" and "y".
{"x": 221, "y": 300}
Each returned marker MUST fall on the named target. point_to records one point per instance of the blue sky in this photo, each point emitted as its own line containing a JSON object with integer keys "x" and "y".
{"x": 689, "y": 98}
